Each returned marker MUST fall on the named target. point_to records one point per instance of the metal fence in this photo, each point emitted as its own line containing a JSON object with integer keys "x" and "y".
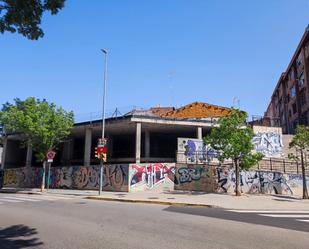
{"x": 283, "y": 165}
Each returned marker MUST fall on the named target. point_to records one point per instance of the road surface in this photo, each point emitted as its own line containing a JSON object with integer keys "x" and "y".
{"x": 71, "y": 222}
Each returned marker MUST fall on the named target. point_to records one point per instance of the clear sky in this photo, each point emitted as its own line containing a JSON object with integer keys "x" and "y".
{"x": 167, "y": 52}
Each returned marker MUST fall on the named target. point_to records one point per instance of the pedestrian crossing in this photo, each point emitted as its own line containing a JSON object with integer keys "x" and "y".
{"x": 298, "y": 215}
{"x": 15, "y": 198}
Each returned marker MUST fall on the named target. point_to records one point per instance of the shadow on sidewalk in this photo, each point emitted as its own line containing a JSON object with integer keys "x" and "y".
{"x": 286, "y": 198}
{"x": 183, "y": 192}
{"x": 17, "y": 237}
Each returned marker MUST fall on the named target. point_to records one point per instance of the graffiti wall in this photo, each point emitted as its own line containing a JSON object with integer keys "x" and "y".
{"x": 268, "y": 141}
{"x": 194, "y": 178}
{"x": 193, "y": 151}
{"x": 295, "y": 181}
{"x": 159, "y": 177}
{"x": 152, "y": 176}
{"x": 115, "y": 177}
{"x": 253, "y": 182}
{"x": 15, "y": 178}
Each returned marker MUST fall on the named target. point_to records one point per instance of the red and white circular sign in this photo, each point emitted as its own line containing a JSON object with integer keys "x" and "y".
{"x": 50, "y": 155}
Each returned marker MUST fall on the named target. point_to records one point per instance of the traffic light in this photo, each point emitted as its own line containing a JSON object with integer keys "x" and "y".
{"x": 96, "y": 155}
{"x": 100, "y": 153}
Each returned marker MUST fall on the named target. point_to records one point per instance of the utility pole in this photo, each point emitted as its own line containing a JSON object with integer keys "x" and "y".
{"x": 103, "y": 119}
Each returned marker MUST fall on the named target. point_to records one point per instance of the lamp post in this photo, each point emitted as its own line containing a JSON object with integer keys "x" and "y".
{"x": 103, "y": 118}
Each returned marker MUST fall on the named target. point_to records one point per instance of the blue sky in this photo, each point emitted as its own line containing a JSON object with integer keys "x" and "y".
{"x": 161, "y": 52}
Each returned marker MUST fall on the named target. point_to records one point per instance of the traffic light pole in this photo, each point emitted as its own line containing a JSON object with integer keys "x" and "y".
{"x": 101, "y": 177}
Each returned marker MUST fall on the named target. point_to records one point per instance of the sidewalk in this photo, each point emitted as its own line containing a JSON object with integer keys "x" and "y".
{"x": 262, "y": 202}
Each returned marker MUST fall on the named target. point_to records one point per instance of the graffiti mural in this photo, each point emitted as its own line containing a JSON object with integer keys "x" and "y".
{"x": 152, "y": 176}
{"x": 253, "y": 182}
{"x": 268, "y": 143}
{"x": 116, "y": 178}
{"x": 15, "y": 177}
{"x": 226, "y": 179}
{"x": 194, "y": 178}
{"x": 194, "y": 151}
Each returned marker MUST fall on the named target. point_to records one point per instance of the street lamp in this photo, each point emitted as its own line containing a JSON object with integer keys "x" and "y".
{"x": 103, "y": 119}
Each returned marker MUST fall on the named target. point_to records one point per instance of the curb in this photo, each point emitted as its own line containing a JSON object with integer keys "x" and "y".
{"x": 168, "y": 203}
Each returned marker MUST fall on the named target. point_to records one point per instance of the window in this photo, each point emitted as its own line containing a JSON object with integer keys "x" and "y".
{"x": 299, "y": 60}
{"x": 304, "y": 119}
{"x": 294, "y": 108}
{"x": 291, "y": 74}
{"x": 303, "y": 99}
{"x": 293, "y": 91}
{"x": 301, "y": 80}
{"x": 290, "y": 113}
{"x": 288, "y": 98}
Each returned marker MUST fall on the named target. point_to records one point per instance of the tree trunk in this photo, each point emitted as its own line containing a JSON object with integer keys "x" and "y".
{"x": 305, "y": 190}
{"x": 43, "y": 177}
{"x": 237, "y": 192}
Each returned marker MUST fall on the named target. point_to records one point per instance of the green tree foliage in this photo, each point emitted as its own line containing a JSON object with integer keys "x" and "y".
{"x": 24, "y": 16}
{"x": 232, "y": 139}
{"x": 300, "y": 143}
{"x": 41, "y": 125}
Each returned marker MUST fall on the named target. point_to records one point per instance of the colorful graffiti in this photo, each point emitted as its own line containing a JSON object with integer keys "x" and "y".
{"x": 152, "y": 176}
{"x": 189, "y": 175}
{"x": 15, "y": 177}
{"x": 253, "y": 182}
{"x": 115, "y": 177}
{"x": 159, "y": 176}
{"x": 194, "y": 151}
{"x": 194, "y": 178}
{"x": 268, "y": 143}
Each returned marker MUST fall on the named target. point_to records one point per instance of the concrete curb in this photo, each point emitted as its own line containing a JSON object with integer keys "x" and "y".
{"x": 168, "y": 203}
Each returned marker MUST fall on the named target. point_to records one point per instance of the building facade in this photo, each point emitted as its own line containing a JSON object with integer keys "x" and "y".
{"x": 140, "y": 136}
{"x": 289, "y": 103}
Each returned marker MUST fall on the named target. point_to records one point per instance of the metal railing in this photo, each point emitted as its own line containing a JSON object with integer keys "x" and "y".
{"x": 283, "y": 165}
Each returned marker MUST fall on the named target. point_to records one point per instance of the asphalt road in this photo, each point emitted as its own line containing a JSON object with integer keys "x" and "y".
{"x": 73, "y": 222}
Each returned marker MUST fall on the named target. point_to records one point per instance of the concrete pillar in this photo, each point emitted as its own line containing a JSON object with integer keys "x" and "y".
{"x": 147, "y": 144}
{"x": 5, "y": 143}
{"x": 199, "y": 133}
{"x": 138, "y": 142}
{"x": 87, "y": 154}
{"x": 29, "y": 156}
{"x": 67, "y": 152}
{"x": 28, "y": 167}
{"x": 110, "y": 145}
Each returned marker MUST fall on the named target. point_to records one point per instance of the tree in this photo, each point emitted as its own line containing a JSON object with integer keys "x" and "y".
{"x": 24, "y": 16}
{"x": 300, "y": 142}
{"x": 40, "y": 124}
{"x": 232, "y": 140}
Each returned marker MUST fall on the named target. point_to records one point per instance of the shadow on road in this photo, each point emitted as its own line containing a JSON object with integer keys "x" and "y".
{"x": 251, "y": 218}
{"x": 17, "y": 237}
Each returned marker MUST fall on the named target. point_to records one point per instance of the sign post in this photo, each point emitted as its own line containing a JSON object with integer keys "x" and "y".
{"x": 100, "y": 153}
{"x": 50, "y": 158}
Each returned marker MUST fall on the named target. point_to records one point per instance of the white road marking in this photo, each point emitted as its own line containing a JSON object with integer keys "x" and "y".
{"x": 271, "y": 211}
{"x": 8, "y": 200}
{"x": 286, "y": 215}
{"x": 303, "y": 220}
{"x": 45, "y": 197}
{"x": 18, "y": 198}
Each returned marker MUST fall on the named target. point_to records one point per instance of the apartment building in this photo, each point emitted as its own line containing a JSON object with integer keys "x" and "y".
{"x": 290, "y": 100}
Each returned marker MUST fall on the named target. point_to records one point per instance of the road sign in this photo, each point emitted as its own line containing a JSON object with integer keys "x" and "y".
{"x": 50, "y": 156}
